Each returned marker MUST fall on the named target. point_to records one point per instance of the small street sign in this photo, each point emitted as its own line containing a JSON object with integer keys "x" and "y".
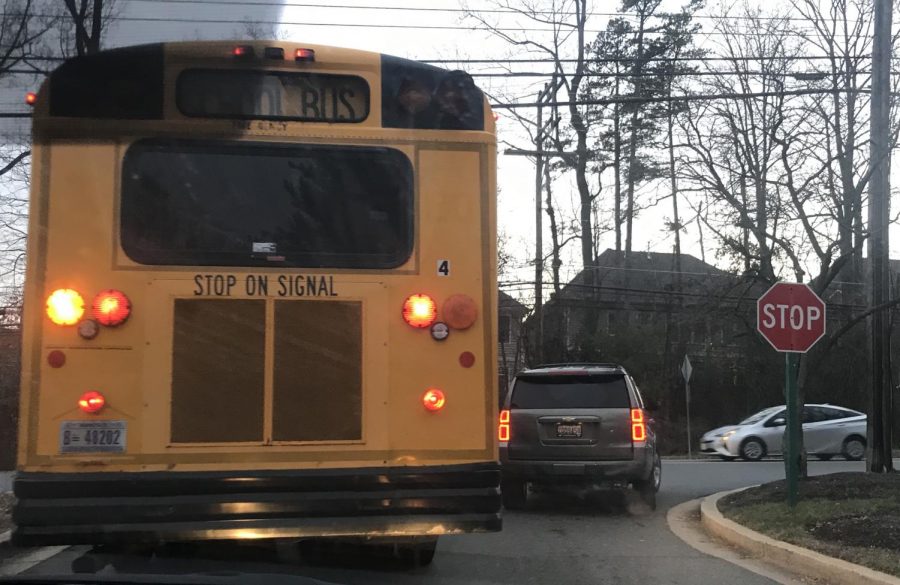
{"x": 686, "y": 369}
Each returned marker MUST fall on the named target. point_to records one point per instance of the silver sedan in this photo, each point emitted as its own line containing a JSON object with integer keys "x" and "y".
{"x": 827, "y": 431}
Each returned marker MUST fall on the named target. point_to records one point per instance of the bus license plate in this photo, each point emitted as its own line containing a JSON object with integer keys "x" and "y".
{"x": 102, "y": 436}
{"x": 569, "y": 430}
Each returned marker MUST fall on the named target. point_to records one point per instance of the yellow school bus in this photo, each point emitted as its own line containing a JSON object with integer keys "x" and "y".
{"x": 260, "y": 298}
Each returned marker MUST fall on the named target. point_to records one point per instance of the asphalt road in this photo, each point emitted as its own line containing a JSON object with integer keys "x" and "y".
{"x": 568, "y": 537}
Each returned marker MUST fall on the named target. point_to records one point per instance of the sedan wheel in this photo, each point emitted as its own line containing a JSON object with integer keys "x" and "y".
{"x": 752, "y": 449}
{"x": 854, "y": 448}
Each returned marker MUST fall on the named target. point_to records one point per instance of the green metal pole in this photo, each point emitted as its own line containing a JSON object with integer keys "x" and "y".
{"x": 792, "y": 453}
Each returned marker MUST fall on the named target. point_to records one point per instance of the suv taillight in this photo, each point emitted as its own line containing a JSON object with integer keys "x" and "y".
{"x": 638, "y": 428}
{"x": 503, "y": 428}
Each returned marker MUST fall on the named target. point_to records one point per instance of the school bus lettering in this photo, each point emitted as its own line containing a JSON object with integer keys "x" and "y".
{"x": 257, "y": 285}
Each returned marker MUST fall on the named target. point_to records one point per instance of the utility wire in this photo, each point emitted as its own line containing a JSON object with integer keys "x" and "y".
{"x": 392, "y": 26}
{"x": 462, "y": 10}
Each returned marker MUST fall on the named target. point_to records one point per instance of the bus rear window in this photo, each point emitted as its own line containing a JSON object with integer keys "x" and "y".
{"x": 205, "y": 203}
{"x": 549, "y": 392}
{"x": 273, "y": 95}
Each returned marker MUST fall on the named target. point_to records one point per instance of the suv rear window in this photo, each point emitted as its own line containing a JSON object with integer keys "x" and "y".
{"x": 594, "y": 391}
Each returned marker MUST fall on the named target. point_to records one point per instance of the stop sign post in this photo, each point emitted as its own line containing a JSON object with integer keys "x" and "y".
{"x": 791, "y": 317}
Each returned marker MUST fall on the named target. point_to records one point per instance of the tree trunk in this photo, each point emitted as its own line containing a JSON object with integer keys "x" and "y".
{"x": 676, "y": 222}
{"x": 617, "y": 171}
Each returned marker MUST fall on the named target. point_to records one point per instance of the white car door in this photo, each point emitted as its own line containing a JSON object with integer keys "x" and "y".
{"x": 817, "y": 426}
{"x": 772, "y": 432}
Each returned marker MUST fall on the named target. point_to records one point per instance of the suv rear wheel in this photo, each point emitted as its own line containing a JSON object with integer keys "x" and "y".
{"x": 514, "y": 493}
{"x": 647, "y": 488}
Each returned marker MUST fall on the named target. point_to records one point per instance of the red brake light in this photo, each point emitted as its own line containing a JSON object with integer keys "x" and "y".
{"x": 111, "y": 307}
{"x": 65, "y": 306}
{"x": 30, "y": 98}
{"x": 91, "y": 402}
{"x": 304, "y": 55}
{"x": 503, "y": 429}
{"x": 433, "y": 400}
{"x": 242, "y": 51}
{"x": 638, "y": 428}
{"x": 419, "y": 311}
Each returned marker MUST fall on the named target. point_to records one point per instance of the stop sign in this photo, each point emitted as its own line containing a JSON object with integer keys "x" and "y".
{"x": 791, "y": 317}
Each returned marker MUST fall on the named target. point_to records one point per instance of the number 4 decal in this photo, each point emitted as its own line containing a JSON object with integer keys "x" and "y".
{"x": 443, "y": 267}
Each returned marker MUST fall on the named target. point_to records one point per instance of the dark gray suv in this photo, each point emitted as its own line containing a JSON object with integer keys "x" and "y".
{"x": 576, "y": 424}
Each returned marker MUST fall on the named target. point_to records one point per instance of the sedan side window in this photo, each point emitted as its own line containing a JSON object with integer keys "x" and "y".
{"x": 835, "y": 413}
{"x": 813, "y": 414}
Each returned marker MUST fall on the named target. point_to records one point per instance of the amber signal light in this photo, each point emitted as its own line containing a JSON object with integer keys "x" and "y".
{"x": 65, "y": 306}
{"x": 30, "y": 98}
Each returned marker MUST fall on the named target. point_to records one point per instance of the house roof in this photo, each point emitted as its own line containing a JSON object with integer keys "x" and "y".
{"x": 646, "y": 271}
{"x": 504, "y": 301}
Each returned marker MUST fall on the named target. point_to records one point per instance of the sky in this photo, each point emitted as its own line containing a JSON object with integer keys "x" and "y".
{"x": 426, "y": 31}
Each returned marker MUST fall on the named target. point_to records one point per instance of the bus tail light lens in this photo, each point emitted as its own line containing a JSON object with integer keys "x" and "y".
{"x": 242, "y": 51}
{"x": 111, "y": 308}
{"x": 419, "y": 311}
{"x": 65, "y": 306}
{"x": 308, "y": 55}
{"x": 503, "y": 429}
{"x": 433, "y": 400}
{"x": 638, "y": 427}
{"x": 91, "y": 402}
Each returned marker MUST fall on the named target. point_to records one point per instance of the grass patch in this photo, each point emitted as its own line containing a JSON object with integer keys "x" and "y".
{"x": 851, "y": 516}
{"x": 6, "y": 503}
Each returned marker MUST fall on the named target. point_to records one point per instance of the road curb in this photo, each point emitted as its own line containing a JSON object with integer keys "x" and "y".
{"x": 786, "y": 556}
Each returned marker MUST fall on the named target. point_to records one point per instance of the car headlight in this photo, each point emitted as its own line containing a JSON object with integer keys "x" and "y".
{"x": 728, "y": 434}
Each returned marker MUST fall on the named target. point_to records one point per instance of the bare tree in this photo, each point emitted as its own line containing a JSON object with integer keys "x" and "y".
{"x": 567, "y": 20}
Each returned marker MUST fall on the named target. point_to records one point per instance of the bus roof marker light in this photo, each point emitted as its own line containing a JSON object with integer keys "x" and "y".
{"x": 91, "y": 402}
{"x": 305, "y": 55}
{"x": 30, "y": 98}
{"x": 419, "y": 311}
{"x": 242, "y": 51}
{"x": 433, "y": 400}
{"x": 65, "y": 306}
{"x": 111, "y": 307}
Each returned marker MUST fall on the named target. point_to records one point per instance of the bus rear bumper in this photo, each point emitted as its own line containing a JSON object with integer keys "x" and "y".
{"x": 152, "y": 507}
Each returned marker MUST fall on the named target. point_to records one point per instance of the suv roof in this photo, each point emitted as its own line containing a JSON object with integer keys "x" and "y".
{"x": 574, "y": 368}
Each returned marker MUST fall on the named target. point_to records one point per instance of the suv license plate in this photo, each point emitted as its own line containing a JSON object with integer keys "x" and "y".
{"x": 569, "y": 430}
{"x": 102, "y": 436}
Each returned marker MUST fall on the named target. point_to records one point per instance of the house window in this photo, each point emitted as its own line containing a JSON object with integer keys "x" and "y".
{"x": 503, "y": 332}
